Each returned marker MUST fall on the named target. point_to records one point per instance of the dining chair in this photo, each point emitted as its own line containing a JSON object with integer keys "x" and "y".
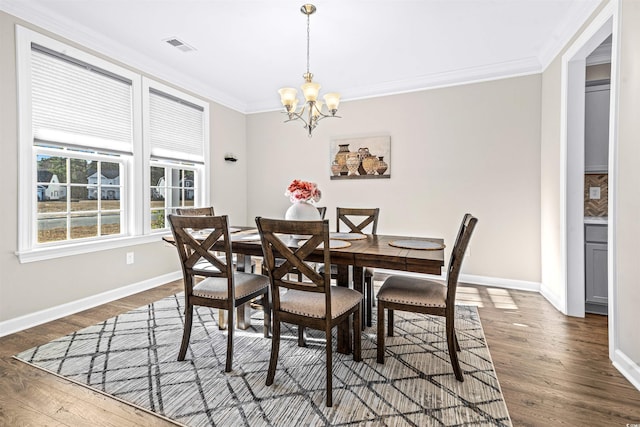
{"x": 362, "y": 221}
{"x": 425, "y": 296}
{"x": 205, "y": 211}
{"x": 322, "y": 210}
{"x": 209, "y": 211}
{"x": 313, "y": 304}
{"x": 223, "y": 287}
{"x": 363, "y": 217}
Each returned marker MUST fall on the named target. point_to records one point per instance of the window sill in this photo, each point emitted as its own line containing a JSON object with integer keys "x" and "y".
{"x": 42, "y": 254}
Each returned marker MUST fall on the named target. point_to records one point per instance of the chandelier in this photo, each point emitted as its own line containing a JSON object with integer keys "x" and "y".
{"x": 311, "y": 110}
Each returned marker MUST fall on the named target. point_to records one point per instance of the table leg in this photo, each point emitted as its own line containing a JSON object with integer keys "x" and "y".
{"x": 222, "y": 319}
{"x": 358, "y": 285}
{"x": 344, "y": 331}
{"x": 243, "y": 312}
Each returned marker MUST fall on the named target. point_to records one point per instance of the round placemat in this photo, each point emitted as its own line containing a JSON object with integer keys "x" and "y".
{"x": 425, "y": 245}
{"x": 333, "y": 244}
{"x": 347, "y": 236}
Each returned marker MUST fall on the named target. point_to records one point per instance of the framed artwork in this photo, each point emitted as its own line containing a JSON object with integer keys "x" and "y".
{"x": 367, "y": 157}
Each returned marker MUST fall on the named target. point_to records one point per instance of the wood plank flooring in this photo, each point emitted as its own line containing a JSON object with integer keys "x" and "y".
{"x": 554, "y": 370}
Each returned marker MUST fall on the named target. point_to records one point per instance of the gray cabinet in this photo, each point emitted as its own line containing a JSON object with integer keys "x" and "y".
{"x": 596, "y": 128}
{"x": 596, "y": 274}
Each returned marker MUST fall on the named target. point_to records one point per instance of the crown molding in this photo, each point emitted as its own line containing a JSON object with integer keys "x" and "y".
{"x": 37, "y": 15}
{"x": 556, "y": 42}
{"x": 57, "y": 24}
{"x": 459, "y": 77}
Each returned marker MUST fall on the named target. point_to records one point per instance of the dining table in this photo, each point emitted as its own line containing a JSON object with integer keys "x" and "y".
{"x": 351, "y": 254}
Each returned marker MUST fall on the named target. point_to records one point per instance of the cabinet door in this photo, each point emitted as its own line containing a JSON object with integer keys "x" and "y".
{"x": 596, "y": 129}
{"x": 596, "y": 273}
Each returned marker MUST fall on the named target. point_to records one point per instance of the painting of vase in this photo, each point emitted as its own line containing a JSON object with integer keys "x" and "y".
{"x": 369, "y": 157}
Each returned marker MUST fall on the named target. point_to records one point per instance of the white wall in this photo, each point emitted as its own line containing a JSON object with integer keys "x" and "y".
{"x": 471, "y": 148}
{"x": 45, "y": 286}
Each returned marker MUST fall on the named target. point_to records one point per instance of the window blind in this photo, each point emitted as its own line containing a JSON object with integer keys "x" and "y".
{"x": 176, "y": 128}
{"x": 76, "y": 104}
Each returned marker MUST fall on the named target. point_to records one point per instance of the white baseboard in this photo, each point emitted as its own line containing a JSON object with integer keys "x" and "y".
{"x": 553, "y": 299}
{"x": 496, "y": 282}
{"x": 33, "y": 319}
{"x": 39, "y": 317}
{"x": 627, "y": 367}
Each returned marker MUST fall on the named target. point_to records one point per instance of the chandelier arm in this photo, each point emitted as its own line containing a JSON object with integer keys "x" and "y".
{"x": 295, "y": 116}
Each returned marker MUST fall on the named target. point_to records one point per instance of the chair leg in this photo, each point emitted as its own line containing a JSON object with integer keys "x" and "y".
{"x": 275, "y": 348}
{"x": 329, "y": 367}
{"x": 357, "y": 335}
{"x": 266, "y": 308}
{"x": 451, "y": 344}
{"x": 380, "y": 335}
{"x": 230, "y": 329}
{"x": 186, "y": 334}
{"x": 389, "y": 322}
{"x": 455, "y": 337}
{"x": 302, "y": 339}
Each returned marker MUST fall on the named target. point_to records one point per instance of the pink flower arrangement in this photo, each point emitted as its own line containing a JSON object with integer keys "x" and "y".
{"x": 303, "y": 191}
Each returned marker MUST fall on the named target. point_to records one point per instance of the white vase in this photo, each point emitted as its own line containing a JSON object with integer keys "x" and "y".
{"x": 302, "y": 211}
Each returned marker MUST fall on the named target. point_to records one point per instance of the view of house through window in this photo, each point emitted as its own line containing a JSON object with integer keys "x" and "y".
{"x": 171, "y": 187}
{"x": 77, "y": 198}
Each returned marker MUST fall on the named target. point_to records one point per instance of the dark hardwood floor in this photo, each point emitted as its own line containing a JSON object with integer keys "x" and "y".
{"x": 554, "y": 370}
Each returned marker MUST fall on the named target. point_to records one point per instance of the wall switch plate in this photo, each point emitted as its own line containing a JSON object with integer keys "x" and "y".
{"x": 594, "y": 193}
{"x": 129, "y": 257}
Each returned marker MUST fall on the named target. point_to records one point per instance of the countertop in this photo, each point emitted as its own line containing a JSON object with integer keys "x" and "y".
{"x": 600, "y": 220}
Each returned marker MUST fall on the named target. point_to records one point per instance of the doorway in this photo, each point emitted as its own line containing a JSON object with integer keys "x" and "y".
{"x": 573, "y": 167}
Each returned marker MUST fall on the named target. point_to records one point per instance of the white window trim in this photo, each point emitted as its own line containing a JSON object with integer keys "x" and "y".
{"x": 138, "y": 186}
{"x": 71, "y": 249}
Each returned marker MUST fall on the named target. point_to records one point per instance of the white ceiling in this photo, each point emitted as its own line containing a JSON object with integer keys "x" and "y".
{"x": 247, "y": 49}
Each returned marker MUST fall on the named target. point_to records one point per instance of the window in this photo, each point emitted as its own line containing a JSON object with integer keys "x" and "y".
{"x": 172, "y": 187}
{"x": 105, "y": 153}
{"x": 176, "y": 129}
{"x": 78, "y": 195}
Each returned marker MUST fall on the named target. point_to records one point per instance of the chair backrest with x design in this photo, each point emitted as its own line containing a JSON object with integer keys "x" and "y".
{"x": 363, "y": 217}
{"x": 276, "y": 245}
{"x": 195, "y": 247}
{"x": 206, "y": 211}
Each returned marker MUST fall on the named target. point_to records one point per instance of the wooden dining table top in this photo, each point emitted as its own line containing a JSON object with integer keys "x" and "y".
{"x": 372, "y": 251}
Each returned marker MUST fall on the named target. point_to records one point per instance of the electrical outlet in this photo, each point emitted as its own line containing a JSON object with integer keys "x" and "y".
{"x": 594, "y": 193}
{"x": 129, "y": 257}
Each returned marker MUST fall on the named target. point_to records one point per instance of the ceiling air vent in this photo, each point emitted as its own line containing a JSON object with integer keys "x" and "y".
{"x": 179, "y": 44}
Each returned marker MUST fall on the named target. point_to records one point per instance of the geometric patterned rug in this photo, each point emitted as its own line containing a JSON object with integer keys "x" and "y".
{"x": 132, "y": 357}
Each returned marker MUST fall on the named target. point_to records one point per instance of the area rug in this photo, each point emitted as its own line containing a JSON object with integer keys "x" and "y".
{"x": 132, "y": 357}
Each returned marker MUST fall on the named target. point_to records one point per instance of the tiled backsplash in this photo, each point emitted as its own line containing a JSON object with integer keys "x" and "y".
{"x": 596, "y": 207}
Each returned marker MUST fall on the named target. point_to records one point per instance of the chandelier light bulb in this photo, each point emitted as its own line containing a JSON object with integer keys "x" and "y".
{"x": 332, "y": 100}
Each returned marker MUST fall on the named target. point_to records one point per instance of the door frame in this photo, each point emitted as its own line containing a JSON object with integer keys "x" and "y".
{"x": 572, "y": 167}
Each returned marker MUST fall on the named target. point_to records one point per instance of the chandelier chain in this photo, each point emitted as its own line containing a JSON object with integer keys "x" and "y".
{"x": 308, "y": 37}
